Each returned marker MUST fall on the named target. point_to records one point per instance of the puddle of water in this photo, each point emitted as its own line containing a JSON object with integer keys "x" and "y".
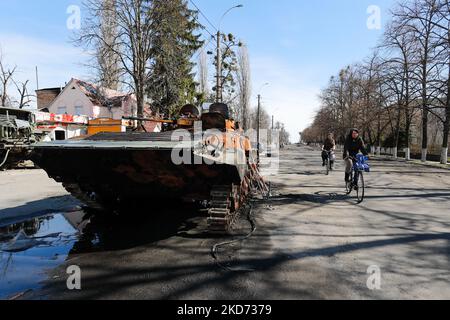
{"x": 45, "y": 244}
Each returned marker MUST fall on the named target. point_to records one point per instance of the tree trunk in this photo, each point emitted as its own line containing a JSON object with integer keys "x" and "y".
{"x": 444, "y": 154}
{"x": 140, "y": 101}
{"x": 397, "y": 132}
{"x": 408, "y": 119}
{"x": 425, "y": 110}
{"x": 424, "y": 132}
{"x": 379, "y": 136}
{"x": 408, "y": 137}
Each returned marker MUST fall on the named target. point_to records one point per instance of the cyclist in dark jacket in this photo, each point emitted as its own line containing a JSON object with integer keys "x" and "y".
{"x": 328, "y": 146}
{"x": 353, "y": 145}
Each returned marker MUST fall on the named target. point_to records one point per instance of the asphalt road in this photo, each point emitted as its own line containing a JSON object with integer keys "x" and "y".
{"x": 311, "y": 242}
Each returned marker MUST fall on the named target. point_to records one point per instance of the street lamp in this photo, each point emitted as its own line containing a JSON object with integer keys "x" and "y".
{"x": 219, "y": 58}
{"x": 259, "y": 122}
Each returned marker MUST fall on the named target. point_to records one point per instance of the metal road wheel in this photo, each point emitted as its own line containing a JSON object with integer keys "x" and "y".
{"x": 360, "y": 187}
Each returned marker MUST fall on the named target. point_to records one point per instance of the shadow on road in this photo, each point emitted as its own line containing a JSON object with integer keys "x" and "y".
{"x": 103, "y": 281}
{"x": 142, "y": 226}
{"x": 320, "y": 197}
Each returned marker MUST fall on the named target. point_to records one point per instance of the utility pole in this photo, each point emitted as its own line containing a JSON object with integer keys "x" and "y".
{"x": 219, "y": 71}
{"x": 219, "y": 96}
{"x": 37, "y": 79}
{"x": 258, "y": 125}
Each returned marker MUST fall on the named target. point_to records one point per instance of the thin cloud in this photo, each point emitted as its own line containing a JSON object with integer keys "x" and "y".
{"x": 56, "y": 63}
{"x": 291, "y": 98}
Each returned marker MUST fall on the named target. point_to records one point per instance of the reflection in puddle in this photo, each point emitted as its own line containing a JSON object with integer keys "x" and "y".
{"x": 30, "y": 249}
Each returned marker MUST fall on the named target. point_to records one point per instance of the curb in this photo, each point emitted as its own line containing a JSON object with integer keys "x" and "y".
{"x": 415, "y": 162}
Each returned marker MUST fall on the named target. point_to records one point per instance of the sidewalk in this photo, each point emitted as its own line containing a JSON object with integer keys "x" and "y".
{"x": 414, "y": 161}
{"x": 25, "y": 194}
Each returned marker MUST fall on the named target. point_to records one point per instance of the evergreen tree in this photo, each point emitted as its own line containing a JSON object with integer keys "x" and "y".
{"x": 171, "y": 79}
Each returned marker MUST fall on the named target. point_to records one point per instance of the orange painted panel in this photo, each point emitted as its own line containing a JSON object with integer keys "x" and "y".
{"x": 104, "y": 125}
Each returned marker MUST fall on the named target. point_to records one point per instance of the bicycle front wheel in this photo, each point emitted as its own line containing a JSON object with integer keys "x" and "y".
{"x": 327, "y": 165}
{"x": 348, "y": 185}
{"x": 360, "y": 190}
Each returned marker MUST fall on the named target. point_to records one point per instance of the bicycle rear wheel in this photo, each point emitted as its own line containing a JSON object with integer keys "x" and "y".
{"x": 360, "y": 190}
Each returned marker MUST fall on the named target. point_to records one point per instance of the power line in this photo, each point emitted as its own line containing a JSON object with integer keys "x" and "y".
{"x": 204, "y": 47}
{"x": 204, "y": 16}
{"x": 203, "y": 27}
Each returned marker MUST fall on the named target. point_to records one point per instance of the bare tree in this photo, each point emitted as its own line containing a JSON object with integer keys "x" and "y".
{"x": 418, "y": 18}
{"x": 264, "y": 118}
{"x": 24, "y": 97}
{"x": 394, "y": 85}
{"x": 131, "y": 42}
{"x": 371, "y": 99}
{"x": 399, "y": 41}
{"x": 354, "y": 98}
{"x": 6, "y": 78}
{"x": 442, "y": 44}
{"x": 108, "y": 60}
{"x": 244, "y": 85}
{"x": 203, "y": 72}
{"x": 385, "y": 93}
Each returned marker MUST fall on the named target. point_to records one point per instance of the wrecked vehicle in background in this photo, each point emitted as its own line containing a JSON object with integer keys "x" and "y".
{"x": 16, "y": 136}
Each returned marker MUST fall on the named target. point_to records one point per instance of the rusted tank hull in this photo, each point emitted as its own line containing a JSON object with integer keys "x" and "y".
{"x": 122, "y": 171}
{"x": 119, "y": 178}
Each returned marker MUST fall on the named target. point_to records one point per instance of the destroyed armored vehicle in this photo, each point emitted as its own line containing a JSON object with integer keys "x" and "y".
{"x": 202, "y": 157}
{"x": 16, "y": 136}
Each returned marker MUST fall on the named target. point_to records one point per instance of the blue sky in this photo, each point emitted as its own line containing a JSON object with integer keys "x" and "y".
{"x": 295, "y": 45}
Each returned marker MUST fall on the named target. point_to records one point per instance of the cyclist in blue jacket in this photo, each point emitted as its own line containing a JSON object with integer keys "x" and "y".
{"x": 354, "y": 144}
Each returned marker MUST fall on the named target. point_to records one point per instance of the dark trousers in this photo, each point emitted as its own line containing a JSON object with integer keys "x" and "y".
{"x": 324, "y": 155}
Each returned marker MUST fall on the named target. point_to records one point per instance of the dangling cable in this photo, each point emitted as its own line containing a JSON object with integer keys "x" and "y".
{"x": 6, "y": 158}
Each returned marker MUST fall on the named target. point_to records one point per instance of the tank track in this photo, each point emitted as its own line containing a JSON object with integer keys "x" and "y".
{"x": 224, "y": 208}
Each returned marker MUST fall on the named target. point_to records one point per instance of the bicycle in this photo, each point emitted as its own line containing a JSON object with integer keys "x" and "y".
{"x": 356, "y": 182}
{"x": 329, "y": 161}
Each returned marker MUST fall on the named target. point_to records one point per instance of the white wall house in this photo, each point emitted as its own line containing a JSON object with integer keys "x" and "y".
{"x": 60, "y": 127}
{"x": 84, "y": 98}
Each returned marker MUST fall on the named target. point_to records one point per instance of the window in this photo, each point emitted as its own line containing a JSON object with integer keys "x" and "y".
{"x": 62, "y": 110}
{"x": 60, "y": 135}
{"x": 79, "y": 110}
